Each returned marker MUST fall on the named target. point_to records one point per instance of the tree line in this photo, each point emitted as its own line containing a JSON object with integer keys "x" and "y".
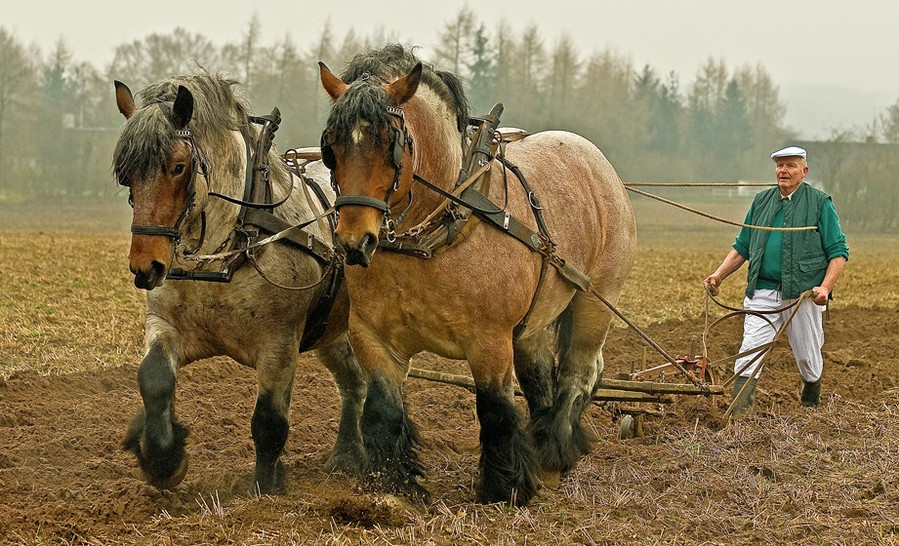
{"x": 58, "y": 119}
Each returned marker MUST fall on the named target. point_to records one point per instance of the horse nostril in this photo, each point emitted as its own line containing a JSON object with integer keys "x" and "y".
{"x": 151, "y": 277}
{"x": 157, "y": 269}
{"x": 369, "y": 242}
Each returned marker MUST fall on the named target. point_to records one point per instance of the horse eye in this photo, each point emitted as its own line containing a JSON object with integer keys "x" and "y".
{"x": 179, "y": 168}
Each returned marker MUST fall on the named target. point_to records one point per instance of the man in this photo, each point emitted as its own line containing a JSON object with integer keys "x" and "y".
{"x": 783, "y": 265}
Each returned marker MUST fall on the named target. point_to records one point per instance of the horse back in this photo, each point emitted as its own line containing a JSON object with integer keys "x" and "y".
{"x": 585, "y": 205}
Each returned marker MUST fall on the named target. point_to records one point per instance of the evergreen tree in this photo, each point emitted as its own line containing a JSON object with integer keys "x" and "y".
{"x": 482, "y": 84}
{"x": 562, "y": 79}
{"x": 734, "y": 134}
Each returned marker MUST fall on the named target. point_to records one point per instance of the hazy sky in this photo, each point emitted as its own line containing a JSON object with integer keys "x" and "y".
{"x": 836, "y": 62}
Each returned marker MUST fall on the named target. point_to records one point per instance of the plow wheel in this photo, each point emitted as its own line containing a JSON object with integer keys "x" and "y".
{"x": 630, "y": 426}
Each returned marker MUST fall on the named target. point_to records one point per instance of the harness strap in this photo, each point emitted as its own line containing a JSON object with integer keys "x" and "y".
{"x": 317, "y": 316}
{"x": 306, "y": 241}
{"x": 363, "y": 200}
{"x": 523, "y": 323}
{"x": 487, "y": 210}
{"x": 138, "y": 229}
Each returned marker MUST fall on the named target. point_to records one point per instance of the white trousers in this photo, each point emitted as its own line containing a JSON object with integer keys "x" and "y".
{"x": 805, "y": 332}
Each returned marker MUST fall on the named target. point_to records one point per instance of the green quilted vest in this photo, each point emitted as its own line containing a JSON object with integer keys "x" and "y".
{"x": 803, "y": 260}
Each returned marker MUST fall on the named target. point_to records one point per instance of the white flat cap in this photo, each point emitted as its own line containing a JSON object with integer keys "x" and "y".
{"x": 789, "y": 151}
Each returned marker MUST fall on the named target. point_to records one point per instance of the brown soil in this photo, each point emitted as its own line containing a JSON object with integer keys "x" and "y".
{"x": 785, "y": 474}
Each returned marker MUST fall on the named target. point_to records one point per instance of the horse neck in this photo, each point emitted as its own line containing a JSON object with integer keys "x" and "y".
{"x": 226, "y": 167}
{"x": 438, "y": 156}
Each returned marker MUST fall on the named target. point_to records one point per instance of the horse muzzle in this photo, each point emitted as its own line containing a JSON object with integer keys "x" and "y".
{"x": 358, "y": 250}
{"x": 150, "y": 277}
{"x": 149, "y": 260}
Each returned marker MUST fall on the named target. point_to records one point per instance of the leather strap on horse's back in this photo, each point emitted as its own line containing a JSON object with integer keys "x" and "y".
{"x": 261, "y": 190}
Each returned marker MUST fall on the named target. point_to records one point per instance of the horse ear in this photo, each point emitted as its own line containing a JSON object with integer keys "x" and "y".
{"x": 334, "y": 86}
{"x": 183, "y": 109}
{"x": 124, "y": 99}
{"x": 404, "y": 88}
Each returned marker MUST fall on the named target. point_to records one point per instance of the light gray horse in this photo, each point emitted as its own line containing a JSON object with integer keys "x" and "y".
{"x": 184, "y": 155}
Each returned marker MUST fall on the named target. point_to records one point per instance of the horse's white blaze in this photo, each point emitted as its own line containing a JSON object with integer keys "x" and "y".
{"x": 359, "y": 131}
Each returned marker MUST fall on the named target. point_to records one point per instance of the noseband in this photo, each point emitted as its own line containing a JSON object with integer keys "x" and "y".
{"x": 399, "y": 139}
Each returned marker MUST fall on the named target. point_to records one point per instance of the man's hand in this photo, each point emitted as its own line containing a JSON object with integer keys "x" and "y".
{"x": 820, "y": 294}
{"x": 712, "y": 282}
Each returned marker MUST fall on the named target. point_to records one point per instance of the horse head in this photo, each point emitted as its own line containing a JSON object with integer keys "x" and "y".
{"x": 369, "y": 151}
{"x": 157, "y": 160}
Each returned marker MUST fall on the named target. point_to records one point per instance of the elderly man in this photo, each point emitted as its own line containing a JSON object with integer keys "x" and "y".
{"x": 783, "y": 265}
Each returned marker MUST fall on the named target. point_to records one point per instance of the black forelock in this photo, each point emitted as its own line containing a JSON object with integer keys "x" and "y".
{"x": 145, "y": 142}
{"x": 365, "y": 99}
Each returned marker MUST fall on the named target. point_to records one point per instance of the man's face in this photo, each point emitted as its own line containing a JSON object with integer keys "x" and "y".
{"x": 790, "y": 172}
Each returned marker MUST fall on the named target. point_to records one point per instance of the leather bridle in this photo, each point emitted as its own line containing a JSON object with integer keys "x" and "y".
{"x": 197, "y": 165}
{"x": 400, "y": 139}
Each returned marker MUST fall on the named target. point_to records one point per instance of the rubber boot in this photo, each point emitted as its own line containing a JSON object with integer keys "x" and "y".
{"x": 811, "y": 393}
{"x": 744, "y": 406}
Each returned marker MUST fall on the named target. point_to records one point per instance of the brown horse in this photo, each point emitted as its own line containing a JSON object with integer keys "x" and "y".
{"x": 395, "y": 132}
{"x": 185, "y": 155}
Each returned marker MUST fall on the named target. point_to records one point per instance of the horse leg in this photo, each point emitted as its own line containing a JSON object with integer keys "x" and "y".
{"x": 270, "y": 425}
{"x": 534, "y": 362}
{"x": 558, "y": 434}
{"x": 155, "y": 436}
{"x": 507, "y": 466}
{"x": 348, "y": 454}
{"x": 390, "y": 437}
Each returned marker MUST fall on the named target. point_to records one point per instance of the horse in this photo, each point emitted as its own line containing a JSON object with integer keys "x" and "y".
{"x": 187, "y": 156}
{"x": 394, "y": 143}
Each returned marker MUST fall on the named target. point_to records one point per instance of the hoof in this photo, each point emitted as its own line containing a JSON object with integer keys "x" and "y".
{"x": 271, "y": 479}
{"x": 170, "y": 482}
{"x": 346, "y": 462}
{"x": 417, "y": 494}
{"x": 549, "y": 479}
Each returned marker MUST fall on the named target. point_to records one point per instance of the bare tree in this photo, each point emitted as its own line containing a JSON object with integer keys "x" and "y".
{"x": 456, "y": 42}
{"x": 248, "y": 48}
{"x": 890, "y": 123}
{"x": 764, "y": 112}
{"x": 157, "y": 56}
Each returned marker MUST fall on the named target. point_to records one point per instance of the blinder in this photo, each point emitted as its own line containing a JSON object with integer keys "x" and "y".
{"x": 328, "y": 158}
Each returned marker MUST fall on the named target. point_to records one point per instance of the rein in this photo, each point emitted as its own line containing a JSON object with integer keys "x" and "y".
{"x": 709, "y": 216}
